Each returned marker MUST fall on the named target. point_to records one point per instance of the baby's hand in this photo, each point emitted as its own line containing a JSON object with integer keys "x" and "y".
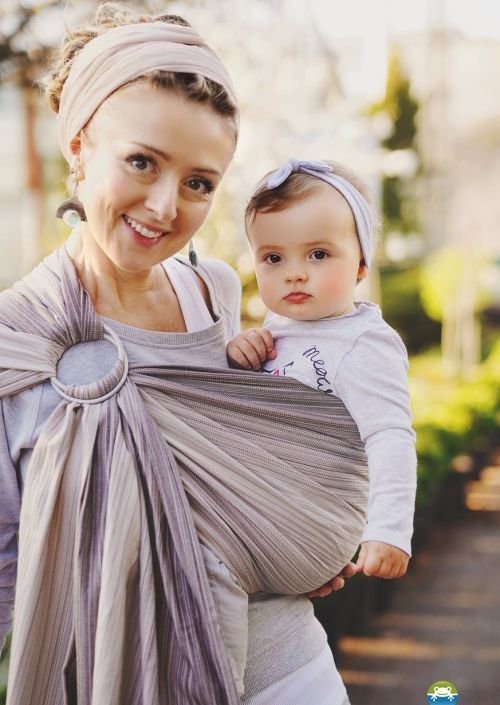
{"x": 382, "y": 560}
{"x": 250, "y": 348}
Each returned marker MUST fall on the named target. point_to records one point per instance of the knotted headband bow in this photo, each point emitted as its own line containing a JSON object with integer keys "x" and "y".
{"x": 123, "y": 54}
{"x": 358, "y": 205}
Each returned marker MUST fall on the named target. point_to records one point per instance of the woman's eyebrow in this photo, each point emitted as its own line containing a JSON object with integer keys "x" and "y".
{"x": 167, "y": 158}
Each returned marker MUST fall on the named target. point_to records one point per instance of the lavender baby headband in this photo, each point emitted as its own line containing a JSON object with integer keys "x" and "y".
{"x": 122, "y": 54}
{"x": 358, "y": 205}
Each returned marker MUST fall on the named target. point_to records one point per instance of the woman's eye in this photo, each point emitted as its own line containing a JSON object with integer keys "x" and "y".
{"x": 141, "y": 163}
{"x": 200, "y": 185}
{"x": 319, "y": 254}
{"x": 272, "y": 259}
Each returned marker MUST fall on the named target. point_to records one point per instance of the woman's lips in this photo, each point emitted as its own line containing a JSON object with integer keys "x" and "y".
{"x": 144, "y": 241}
{"x": 297, "y": 297}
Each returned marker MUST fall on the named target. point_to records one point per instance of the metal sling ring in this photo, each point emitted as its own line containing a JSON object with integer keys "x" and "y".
{"x": 111, "y": 337}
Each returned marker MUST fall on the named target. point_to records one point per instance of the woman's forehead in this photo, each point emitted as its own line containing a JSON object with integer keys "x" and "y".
{"x": 164, "y": 120}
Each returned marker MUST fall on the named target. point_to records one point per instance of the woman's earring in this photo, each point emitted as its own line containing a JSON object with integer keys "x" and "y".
{"x": 193, "y": 257}
{"x": 72, "y": 210}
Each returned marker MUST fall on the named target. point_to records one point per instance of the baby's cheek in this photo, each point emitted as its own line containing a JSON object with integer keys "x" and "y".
{"x": 267, "y": 286}
{"x": 337, "y": 284}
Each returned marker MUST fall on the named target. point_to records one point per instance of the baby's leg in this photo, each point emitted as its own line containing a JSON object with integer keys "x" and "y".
{"x": 231, "y": 603}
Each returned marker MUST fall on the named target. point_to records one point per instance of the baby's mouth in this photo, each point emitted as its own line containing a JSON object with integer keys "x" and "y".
{"x": 297, "y": 296}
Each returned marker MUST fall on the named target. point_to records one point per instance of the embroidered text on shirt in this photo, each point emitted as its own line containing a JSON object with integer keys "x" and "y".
{"x": 321, "y": 372}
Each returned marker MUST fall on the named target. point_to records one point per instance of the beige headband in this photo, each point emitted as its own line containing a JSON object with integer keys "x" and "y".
{"x": 122, "y": 54}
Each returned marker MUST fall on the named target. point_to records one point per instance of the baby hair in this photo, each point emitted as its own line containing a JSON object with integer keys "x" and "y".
{"x": 298, "y": 187}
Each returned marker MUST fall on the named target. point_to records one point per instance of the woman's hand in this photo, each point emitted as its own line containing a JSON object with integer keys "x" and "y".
{"x": 336, "y": 583}
{"x": 251, "y": 348}
{"x": 382, "y": 560}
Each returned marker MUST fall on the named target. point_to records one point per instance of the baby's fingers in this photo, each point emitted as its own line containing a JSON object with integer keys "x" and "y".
{"x": 267, "y": 338}
{"x": 262, "y": 341}
{"x": 372, "y": 564}
{"x": 245, "y": 354}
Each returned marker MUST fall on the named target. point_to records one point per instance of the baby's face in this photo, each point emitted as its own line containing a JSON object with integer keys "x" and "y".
{"x": 308, "y": 257}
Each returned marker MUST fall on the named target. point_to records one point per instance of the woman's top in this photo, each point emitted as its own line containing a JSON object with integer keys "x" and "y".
{"x": 360, "y": 359}
{"x": 283, "y": 634}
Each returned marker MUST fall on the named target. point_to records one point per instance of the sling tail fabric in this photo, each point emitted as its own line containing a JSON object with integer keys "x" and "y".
{"x": 129, "y": 474}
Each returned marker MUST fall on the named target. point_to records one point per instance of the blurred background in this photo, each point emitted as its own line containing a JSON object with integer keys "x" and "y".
{"x": 407, "y": 94}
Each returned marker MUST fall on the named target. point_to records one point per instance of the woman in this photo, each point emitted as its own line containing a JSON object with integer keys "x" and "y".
{"x": 148, "y": 123}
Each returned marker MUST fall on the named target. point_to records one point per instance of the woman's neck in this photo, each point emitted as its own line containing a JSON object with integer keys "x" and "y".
{"x": 143, "y": 299}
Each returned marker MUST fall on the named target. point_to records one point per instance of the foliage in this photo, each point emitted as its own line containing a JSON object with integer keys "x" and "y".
{"x": 4, "y": 661}
{"x": 398, "y": 201}
{"x": 22, "y": 49}
{"x": 403, "y": 309}
{"x": 444, "y": 274}
{"x": 450, "y": 416}
{"x": 400, "y": 105}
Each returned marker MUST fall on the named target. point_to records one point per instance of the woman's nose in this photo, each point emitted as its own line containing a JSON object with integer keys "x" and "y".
{"x": 162, "y": 200}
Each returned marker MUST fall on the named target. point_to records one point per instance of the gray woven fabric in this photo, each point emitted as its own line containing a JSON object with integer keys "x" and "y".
{"x": 113, "y": 605}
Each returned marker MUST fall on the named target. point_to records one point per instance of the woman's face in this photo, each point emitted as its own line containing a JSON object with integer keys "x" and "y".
{"x": 149, "y": 163}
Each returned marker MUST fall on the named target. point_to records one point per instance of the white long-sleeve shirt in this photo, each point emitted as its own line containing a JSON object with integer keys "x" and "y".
{"x": 359, "y": 358}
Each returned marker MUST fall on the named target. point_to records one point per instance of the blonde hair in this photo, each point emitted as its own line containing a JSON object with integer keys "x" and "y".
{"x": 194, "y": 87}
{"x": 298, "y": 187}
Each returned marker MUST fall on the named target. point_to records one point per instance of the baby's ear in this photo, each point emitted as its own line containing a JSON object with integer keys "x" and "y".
{"x": 362, "y": 271}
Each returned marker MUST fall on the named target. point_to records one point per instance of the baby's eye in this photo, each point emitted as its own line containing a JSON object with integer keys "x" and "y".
{"x": 319, "y": 254}
{"x": 142, "y": 163}
{"x": 272, "y": 258}
{"x": 200, "y": 185}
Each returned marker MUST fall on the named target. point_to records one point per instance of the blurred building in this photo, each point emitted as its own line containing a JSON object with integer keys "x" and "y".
{"x": 455, "y": 79}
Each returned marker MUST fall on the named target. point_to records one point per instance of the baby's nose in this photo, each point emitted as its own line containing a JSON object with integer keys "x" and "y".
{"x": 296, "y": 274}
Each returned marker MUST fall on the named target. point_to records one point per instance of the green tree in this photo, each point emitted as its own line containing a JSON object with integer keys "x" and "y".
{"x": 398, "y": 103}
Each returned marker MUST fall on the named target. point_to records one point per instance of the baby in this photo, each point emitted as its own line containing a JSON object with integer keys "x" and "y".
{"x": 310, "y": 227}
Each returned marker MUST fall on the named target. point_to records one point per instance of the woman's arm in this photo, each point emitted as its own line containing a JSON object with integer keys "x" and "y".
{"x": 10, "y": 506}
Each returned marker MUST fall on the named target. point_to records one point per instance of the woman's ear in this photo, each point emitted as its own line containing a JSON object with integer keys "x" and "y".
{"x": 75, "y": 145}
{"x": 76, "y": 163}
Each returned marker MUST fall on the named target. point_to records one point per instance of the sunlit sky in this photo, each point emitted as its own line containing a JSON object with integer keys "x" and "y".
{"x": 472, "y": 17}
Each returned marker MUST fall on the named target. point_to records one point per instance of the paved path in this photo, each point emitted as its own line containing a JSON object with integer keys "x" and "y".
{"x": 444, "y": 622}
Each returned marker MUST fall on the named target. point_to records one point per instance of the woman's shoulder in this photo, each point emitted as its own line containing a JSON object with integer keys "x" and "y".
{"x": 218, "y": 275}
{"x": 221, "y": 273}
{"x": 224, "y": 288}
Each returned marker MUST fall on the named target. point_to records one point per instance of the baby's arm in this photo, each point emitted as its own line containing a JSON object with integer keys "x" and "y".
{"x": 250, "y": 349}
{"x": 372, "y": 382}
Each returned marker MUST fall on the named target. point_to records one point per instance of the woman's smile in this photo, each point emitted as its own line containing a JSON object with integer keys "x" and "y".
{"x": 143, "y": 229}
{"x": 141, "y": 234}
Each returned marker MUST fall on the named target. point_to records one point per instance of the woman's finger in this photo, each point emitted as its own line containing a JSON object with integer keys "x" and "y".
{"x": 348, "y": 571}
{"x": 337, "y": 583}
